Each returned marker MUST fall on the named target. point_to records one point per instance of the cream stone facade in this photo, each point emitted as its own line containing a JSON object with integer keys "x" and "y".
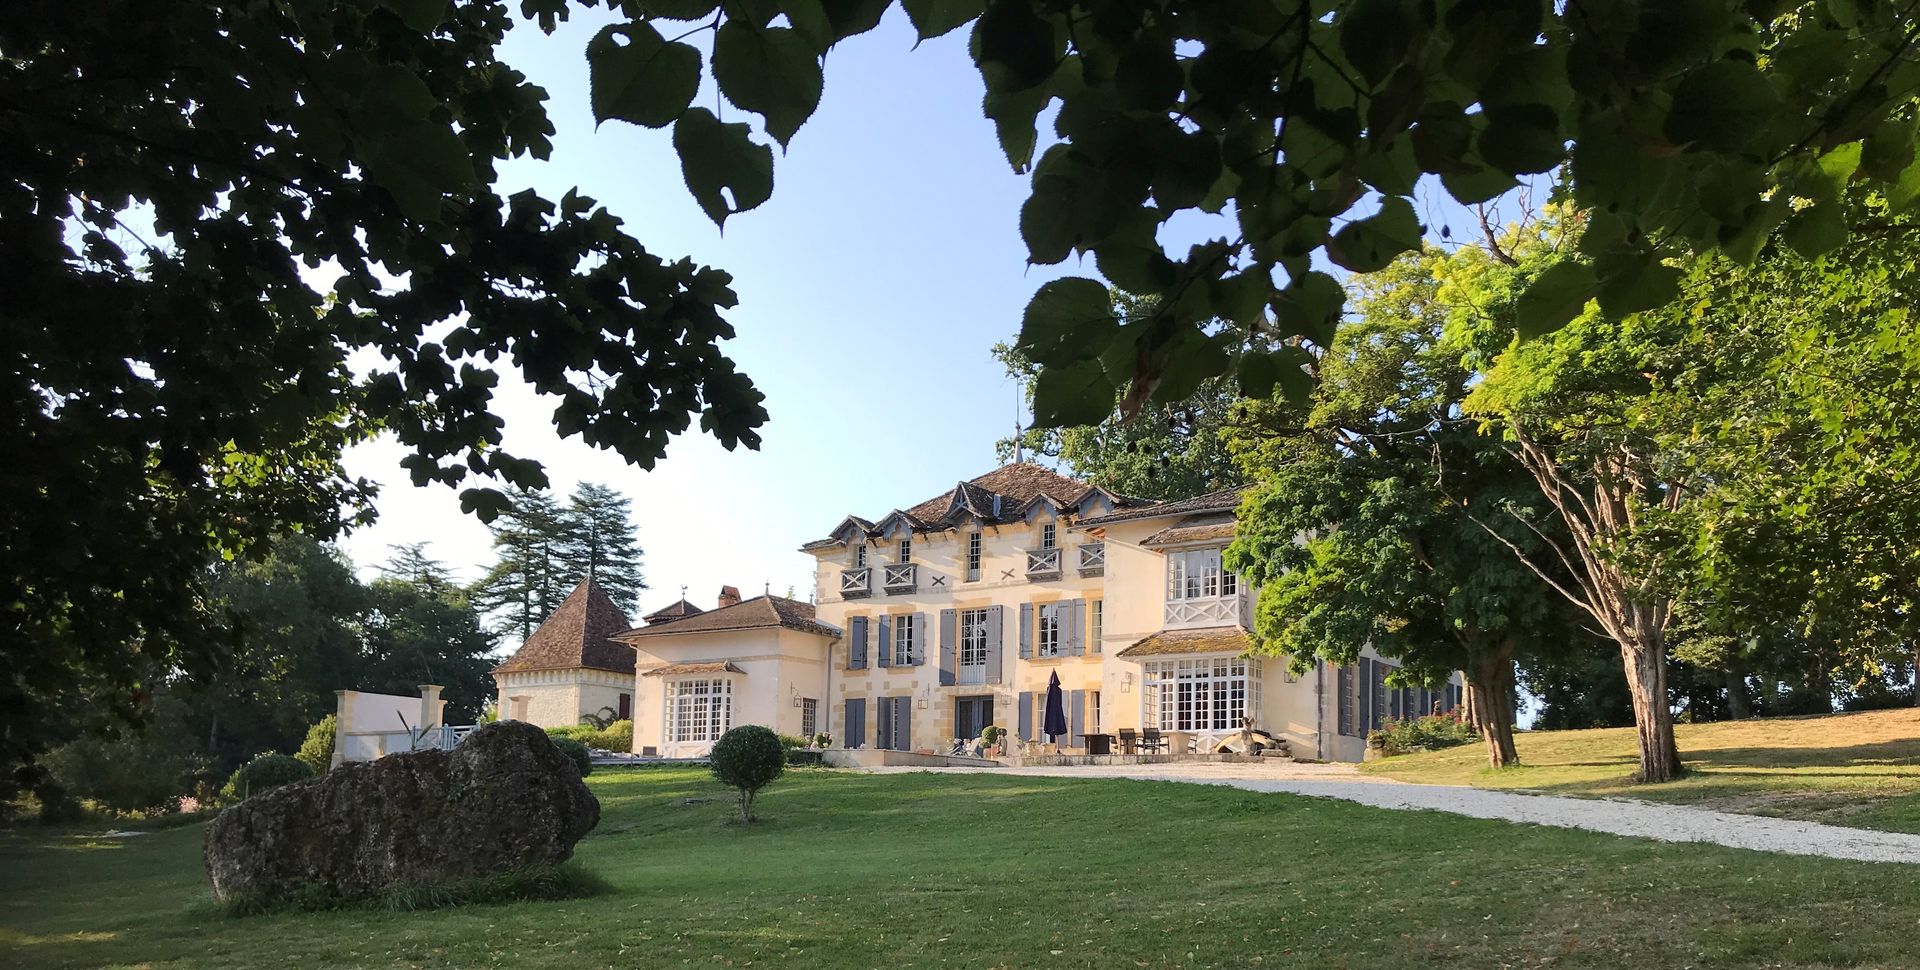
{"x": 570, "y": 669}
{"x": 557, "y": 697}
{"x": 1022, "y": 575}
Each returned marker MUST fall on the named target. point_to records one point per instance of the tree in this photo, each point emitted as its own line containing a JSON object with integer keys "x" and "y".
{"x": 421, "y": 627}
{"x": 600, "y": 541}
{"x": 748, "y": 758}
{"x": 1360, "y": 528}
{"x": 1178, "y": 450}
{"x": 529, "y": 578}
{"x": 172, "y": 174}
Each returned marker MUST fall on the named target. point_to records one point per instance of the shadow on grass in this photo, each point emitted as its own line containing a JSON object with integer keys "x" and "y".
{"x": 569, "y": 880}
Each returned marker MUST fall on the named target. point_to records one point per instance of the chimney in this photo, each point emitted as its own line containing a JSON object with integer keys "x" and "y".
{"x": 728, "y": 597}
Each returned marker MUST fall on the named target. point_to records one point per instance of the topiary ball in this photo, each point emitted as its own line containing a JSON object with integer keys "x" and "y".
{"x": 578, "y": 752}
{"x": 748, "y": 757}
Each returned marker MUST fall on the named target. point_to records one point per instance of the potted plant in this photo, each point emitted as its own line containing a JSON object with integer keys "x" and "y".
{"x": 823, "y": 740}
{"x": 990, "y": 740}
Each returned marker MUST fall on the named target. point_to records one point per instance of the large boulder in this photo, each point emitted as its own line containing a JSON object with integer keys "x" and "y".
{"x": 504, "y": 799}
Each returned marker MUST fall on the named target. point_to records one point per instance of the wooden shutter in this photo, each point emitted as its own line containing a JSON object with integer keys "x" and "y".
{"x": 1345, "y": 704}
{"x": 885, "y": 641}
{"x": 1076, "y": 714}
{"x": 1076, "y": 631}
{"x": 1366, "y": 696}
{"x": 996, "y": 620}
{"x": 857, "y": 643}
{"x": 918, "y": 656}
{"x": 949, "y": 646}
{"x": 1026, "y": 715}
{"x": 1026, "y": 631}
{"x": 883, "y": 735}
{"x": 903, "y": 732}
{"x": 856, "y": 723}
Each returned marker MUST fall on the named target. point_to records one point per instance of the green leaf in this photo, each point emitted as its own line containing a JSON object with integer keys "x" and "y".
{"x": 1479, "y": 185}
{"x": 1721, "y": 106}
{"x": 1906, "y": 188}
{"x": 678, "y": 9}
{"x": 1071, "y": 395}
{"x": 636, "y": 76}
{"x": 724, "y": 169}
{"x": 419, "y": 165}
{"x": 851, "y": 17}
{"x": 809, "y": 20}
{"x": 1259, "y": 372}
{"x": 1394, "y": 171}
{"x": 1554, "y": 298}
{"x": 1193, "y": 360}
{"x": 1242, "y": 297}
{"x": 1376, "y": 34}
{"x": 1067, "y": 320}
{"x": 1020, "y": 46}
{"x": 1836, "y": 169}
{"x": 771, "y": 71}
{"x": 1369, "y": 244}
{"x": 1310, "y": 307}
{"x": 1819, "y": 228}
{"x": 1014, "y": 114}
{"x": 1522, "y": 139}
{"x": 1149, "y": 76}
{"x": 932, "y": 18}
{"x": 421, "y": 15}
{"x": 485, "y": 503}
{"x": 1631, "y": 282}
{"x": 1130, "y": 256}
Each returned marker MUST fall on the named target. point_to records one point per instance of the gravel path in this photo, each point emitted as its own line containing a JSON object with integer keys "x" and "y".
{"x": 1671, "y": 823}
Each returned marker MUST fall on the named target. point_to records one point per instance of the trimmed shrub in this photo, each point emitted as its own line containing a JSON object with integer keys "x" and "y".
{"x": 577, "y": 750}
{"x": 792, "y": 742}
{"x": 617, "y": 736}
{"x": 1425, "y": 733}
{"x": 578, "y": 732}
{"x": 265, "y": 772}
{"x": 990, "y": 734}
{"x": 317, "y": 750}
{"x": 748, "y": 758}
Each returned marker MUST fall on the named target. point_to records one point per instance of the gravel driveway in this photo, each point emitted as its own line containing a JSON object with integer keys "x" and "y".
{"x": 1672, "y": 823}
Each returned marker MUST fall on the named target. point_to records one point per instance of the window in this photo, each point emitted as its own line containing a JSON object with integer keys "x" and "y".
{"x": 1196, "y": 574}
{"x": 809, "y": 717}
{"x": 860, "y": 556}
{"x": 973, "y": 556}
{"x": 625, "y": 710}
{"x": 906, "y": 549}
{"x": 903, "y": 645}
{"x": 1098, "y": 611}
{"x": 698, "y": 710}
{"x": 1094, "y": 719}
{"x": 1198, "y": 695}
{"x": 1047, "y": 635}
{"x": 1048, "y": 535}
{"x": 973, "y": 638}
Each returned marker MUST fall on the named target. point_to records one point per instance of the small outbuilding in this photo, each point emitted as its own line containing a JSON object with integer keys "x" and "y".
{"x": 572, "y": 667}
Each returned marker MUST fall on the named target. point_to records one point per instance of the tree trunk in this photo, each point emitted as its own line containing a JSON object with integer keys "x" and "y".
{"x": 1916, "y": 673}
{"x": 1469, "y": 711}
{"x": 1738, "y": 706}
{"x": 746, "y": 805}
{"x": 1491, "y": 696}
{"x": 1644, "y": 654}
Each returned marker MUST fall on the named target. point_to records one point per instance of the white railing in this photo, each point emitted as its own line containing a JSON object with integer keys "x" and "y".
{"x": 445, "y": 737}
{"x": 1043, "y": 562}
{"x": 1203, "y": 611}
{"x": 1093, "y": 558}
{"x": 899, "y": 577}
{"x": 972, "y": 675}
{"x": 856, "y": 582}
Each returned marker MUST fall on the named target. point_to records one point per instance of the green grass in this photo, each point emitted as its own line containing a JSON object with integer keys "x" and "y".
{"x": 1848, "y": 769}
{"x": 918, "y": 870}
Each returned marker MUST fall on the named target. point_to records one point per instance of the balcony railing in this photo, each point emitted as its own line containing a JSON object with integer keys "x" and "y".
{"x": 1093, "y": 558}
{"x": 855, "y": 583}
{"x": 899, "y": 577}
{"x": 1204, "y": 611}
{"x": 1043, "y": 563}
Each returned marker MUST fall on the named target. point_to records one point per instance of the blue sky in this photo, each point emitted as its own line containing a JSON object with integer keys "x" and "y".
{"x": 871, "y": 288}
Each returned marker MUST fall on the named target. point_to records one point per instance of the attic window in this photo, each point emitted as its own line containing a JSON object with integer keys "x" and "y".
{"x": 860, "y": 556}
{"x": 906, "y": 549}
{"x": 1047, "y": 536}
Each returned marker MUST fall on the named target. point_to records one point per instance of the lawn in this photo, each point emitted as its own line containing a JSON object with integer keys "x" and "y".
{"x": 1849, "y": 769}
{"x": 917, "y": 870}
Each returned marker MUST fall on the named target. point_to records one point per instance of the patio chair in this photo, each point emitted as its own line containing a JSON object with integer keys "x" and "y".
{"x": 1152, "y": 740}
{"x": 1129, "y": 741}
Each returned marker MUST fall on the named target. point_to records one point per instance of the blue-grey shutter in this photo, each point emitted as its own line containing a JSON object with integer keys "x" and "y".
{"x": 1093, "y": 642}
{"x": 1026, "y": 715}
{"x": 917, "y": 645}
{"x": 884, "y": 642}
{"x": 1366, "y": 696}
{"x": 856, "y": 723}
{"x": 1076, "y": 714}
{"x": 1345, "y": 686}
{"x": 949, "y": 649}
{"x": 903, "y": 709}
{"x": 996, "y": 623}
{"x": 1076, "y": 627}
{"x": 1026, "y": 631}
{"x": 857, "y": 643}
{"x": 883, "y": 724}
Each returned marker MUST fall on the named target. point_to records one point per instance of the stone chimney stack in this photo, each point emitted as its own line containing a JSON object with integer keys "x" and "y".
{"x": 728, "y": 597}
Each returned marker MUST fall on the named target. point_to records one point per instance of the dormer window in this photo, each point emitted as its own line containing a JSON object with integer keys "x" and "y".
{"x": 1048, "y": 536}
{"x": 906, "y": 549}
{"x": 860, "y": 556}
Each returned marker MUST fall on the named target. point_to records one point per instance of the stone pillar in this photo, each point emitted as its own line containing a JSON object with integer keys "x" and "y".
{"x": 342, "y": 723}
{"x": 430, "y": 706}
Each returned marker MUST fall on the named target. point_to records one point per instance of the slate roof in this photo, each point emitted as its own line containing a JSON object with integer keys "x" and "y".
{"x": 1224, "y": 500}
{"x": 672, "y": 611}
{"x": 1212, "y": 639}
{"x": 1002, "y": 495}
{"x": 578, "y": 634}
{"x": 710, "y": 667}
{"x": 759, "y": 613}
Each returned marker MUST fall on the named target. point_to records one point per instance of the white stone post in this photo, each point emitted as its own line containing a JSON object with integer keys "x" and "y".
{"x": 342, "y": 723}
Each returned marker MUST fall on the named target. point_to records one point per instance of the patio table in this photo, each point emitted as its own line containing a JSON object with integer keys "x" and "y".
{"x": 1098, "y": 743}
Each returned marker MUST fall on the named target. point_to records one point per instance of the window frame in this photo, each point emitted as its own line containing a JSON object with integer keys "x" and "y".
{"x": 1049, "y": 535}
{"x": 906, "y": 549}
{"x": 1203, "y": 694}
{"x": 902, "y": 646}
{"x": 860, "y": 556}
{"x": 698, "y": 709}
{"x": 809, "y": 717}
{"x": 1049, "y": 622}
{"x": 973, "y": 638}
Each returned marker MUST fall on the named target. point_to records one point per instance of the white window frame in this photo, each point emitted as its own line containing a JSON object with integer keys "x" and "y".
{"x": 809, "y": 717}
{"x": 860, "y": 556}
{"x": 906, "y": 549}
{"x": 1097, "y": 621}
{"x": 974, "y": 543}
{"x": 903, "y": 644}
{"x": 1211, "y": 694}
{"x": 1049, "y": 624}
{"x": 1198, "y": 574}
{"x": 973, "y": 638}
{"x": 1049, "y": 536}
{"x": 698, "y": 709}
